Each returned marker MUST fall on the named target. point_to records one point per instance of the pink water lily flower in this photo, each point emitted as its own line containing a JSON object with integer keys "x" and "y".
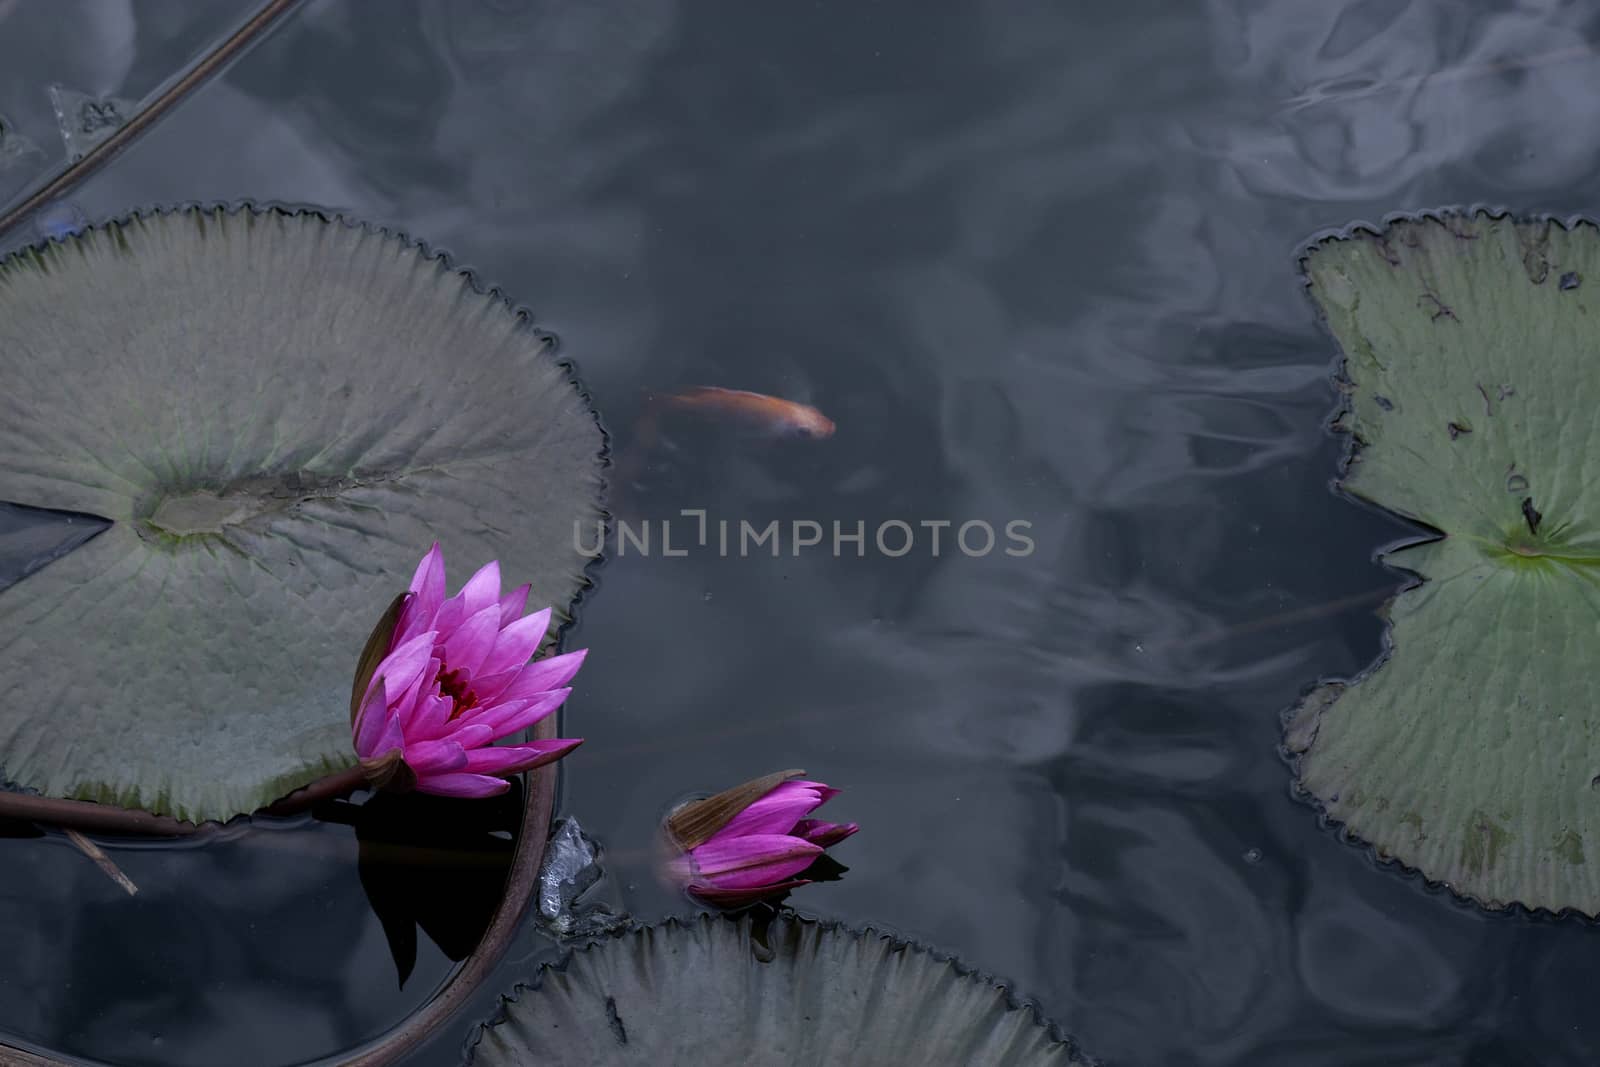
{"x": 752, "y": 841}
{"x": 454, "y": 677}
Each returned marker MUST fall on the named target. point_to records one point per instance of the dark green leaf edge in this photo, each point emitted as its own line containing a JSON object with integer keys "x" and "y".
{"x": 1013, "y": 1001}
{"x": 1290, "y": 749}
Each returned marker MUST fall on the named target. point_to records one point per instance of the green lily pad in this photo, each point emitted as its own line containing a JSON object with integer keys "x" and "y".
{"x": 1470, "y": 752}
{"x": 277, "y": 414}
{"x": 728, "y": 991}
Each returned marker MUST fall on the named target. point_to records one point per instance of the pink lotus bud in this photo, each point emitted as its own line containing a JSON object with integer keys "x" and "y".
{"x": 752, "y": 841}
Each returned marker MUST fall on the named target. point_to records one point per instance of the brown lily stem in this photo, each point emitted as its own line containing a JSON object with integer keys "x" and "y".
{"x": 146, "y": 117}
{"x": 103, "y": 861}
{"x": 110, "y": 819}
{"x": 521, "y": 882}
{"x": 16, "y": 1057}
{"x": 538, "y": 806}
{"x": 333, "y": 786}
{"x": 87, "y": 815}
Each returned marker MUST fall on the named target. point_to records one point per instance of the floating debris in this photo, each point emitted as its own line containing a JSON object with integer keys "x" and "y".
{"x": 1531, "y": 514}
{"x": 87, "y": 120}
{"x": 571, "y": 868}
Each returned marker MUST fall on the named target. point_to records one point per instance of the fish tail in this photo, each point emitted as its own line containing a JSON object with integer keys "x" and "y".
{"x": 646, "y": 431}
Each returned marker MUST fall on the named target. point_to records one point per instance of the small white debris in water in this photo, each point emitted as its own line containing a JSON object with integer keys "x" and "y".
{"x": 87, "y": 120}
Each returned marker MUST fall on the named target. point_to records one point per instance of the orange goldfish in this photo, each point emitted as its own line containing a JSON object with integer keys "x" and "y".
{"x": 770, "y": 413}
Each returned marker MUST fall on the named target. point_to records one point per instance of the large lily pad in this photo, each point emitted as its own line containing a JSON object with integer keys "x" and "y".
{"x": 1470, "y": 752}
{"x": 725, "y": 991}
{"x": 277, "y": 414}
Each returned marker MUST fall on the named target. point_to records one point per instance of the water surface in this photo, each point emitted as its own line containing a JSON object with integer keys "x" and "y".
{"x": 1038, "y": 263}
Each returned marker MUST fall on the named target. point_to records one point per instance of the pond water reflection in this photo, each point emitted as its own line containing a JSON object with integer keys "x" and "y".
{"x": 1037, "y": 262}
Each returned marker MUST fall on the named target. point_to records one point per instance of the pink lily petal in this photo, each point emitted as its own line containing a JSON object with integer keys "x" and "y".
{"x": 389, "y": 738}
{"x": 423, "y": 686}
{"x": 439, "y": 724}
{"x": 514, "y": 645}
{"x": 512, "y": 604}
{"x": 435, "y": 757}
{"x": 513, "y": 759}
{"x": 432, "y": 716}
{"x": 460, "y": 784}
{"x": 427, "y": 593}
{"x": 509, "y": 716}
{"x": 428, "y": 584}
{"x": 486, "y": 715}
{"x": 522, "y": 716}
{"x": 449, "y": 616}
{"x": 410, "y": 622}
{"x": 775, "y": 813}
{"x": 824, "y": 791}
{"x": 756, "y": 859}
{"x": 481, "y": 590}
{"x": 428, "y": 579}
{"x": 468, "y": 736}
{"x": 370, "y": 721}
{"x": 400, "y": 667}
{"x": 488, "y": 687}
{"x": 544, "y": 675}
{"x": 466, "y": 646}
{"x": 826, "y": 834}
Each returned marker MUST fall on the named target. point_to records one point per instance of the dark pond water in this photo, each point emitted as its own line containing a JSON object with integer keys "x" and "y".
{"x": 1037, "y": 261}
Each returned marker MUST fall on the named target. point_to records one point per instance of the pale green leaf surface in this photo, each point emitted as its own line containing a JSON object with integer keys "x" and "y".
{"x": 713, "y": 991}
{"x": 278, "y": 414}
{"x": 1472, "y": 351}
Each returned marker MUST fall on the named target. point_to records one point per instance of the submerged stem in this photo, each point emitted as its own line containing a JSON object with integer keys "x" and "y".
{"x": 103, "y": 861}
{"x": 523, "y": 880}
{"x": 125, "y": 135}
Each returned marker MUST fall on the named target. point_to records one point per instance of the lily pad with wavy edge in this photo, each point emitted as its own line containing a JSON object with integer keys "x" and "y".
{"x": 1470, "y": 752}
{"x": 719, "y": 991}
{"x": 277, "y": 414}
